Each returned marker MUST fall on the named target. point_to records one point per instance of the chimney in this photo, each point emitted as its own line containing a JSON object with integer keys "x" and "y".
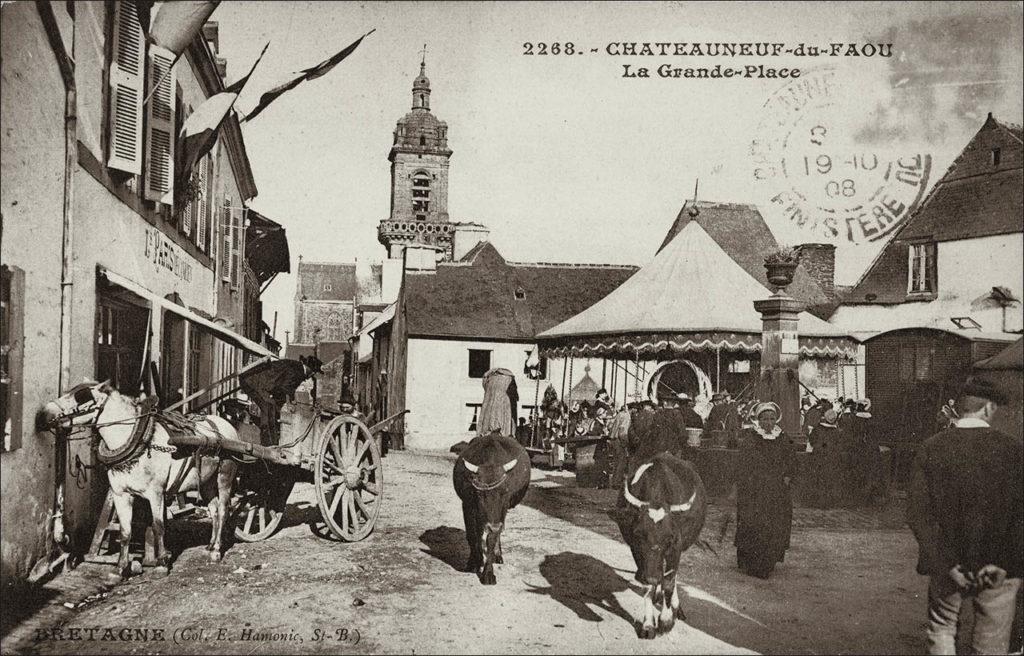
{"x": 211, "y": 32}
{"x": 819, "y": 260}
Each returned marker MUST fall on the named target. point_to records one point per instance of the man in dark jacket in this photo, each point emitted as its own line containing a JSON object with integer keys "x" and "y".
{"x": 965, "y": 507}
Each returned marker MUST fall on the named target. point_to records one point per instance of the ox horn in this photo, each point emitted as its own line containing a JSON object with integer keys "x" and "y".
{"x": 683, "y": 507}
{"x": 632, "y": 500}
{"x": 508, "y": 466}
{"x": 471, "y": 467}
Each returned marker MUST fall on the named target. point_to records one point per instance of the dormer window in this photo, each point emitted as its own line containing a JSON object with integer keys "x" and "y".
{"x": 995, "y": 156}
{"x": 327, "y": 286}
{"x": 520, "y": 294}
{"x": 922, "y": 269}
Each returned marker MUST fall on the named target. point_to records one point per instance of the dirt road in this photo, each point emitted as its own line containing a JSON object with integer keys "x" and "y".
{"x": 847, "y": 586}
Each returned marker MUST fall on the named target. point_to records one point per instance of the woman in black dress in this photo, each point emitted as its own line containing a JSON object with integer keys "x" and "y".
{"x": 764, "y": 505}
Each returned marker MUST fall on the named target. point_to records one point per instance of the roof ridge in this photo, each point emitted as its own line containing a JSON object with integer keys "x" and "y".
{"x": 1010, "y": 128}
{"x": 325, "y": 263}
{"x": 573, "y": 265}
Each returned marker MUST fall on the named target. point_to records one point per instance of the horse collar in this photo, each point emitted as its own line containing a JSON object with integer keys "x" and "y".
{"x": 140, "y": 441}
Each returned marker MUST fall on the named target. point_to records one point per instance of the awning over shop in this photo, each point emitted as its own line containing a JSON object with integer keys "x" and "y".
{"x": 691, "y": 297}
{"x": 218, "y": 330}
{"x": 266, "y": 247}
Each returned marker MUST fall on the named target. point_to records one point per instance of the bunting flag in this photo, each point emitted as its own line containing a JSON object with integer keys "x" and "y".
{"x": 177, "y": 23}
{"x": 143, "y": 10}
{"x": 311, "y": 73}
{"x": 199, "y": 131}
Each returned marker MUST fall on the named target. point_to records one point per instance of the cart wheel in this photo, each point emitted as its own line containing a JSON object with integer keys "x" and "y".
{"x": 349, "y": 479}
{"x": 259, "y": 508}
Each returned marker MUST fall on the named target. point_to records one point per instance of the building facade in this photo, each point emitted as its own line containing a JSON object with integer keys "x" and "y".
{"x": 455, "y": 320}
{"x": 958, "y": 262}
{"x": 150, "y": 292}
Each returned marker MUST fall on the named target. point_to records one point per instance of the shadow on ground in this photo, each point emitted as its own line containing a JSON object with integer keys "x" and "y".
{"x": 29, "y": 600}
{"x": 580, "y": 582}
{"x": 448, "y": 545}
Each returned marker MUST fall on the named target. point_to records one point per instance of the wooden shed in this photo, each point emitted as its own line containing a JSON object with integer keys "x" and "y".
{"x": 911, "y": 372}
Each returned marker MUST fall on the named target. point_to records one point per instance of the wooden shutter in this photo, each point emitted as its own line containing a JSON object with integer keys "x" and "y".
{"x": 931, "y": 267}
{"x": 205, "y": 179}
{"x": 225, "y": 243}
{"x": 236, "y": 249}
{"x": 160, "y": 127}
{"x": 126, "y": 85}
{"x": 12, "y": 353}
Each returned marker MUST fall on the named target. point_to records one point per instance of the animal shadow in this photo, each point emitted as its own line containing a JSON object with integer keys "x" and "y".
{"x": 448, "y": 545}
{"x": 581, "y": 583}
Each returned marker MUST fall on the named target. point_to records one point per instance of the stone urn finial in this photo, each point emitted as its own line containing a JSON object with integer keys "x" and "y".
{"x": 781, "y": 266}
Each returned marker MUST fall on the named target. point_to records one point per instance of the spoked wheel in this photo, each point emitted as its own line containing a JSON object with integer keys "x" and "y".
{"x": 259, "y": 504}
{"x": 349, "y": 479}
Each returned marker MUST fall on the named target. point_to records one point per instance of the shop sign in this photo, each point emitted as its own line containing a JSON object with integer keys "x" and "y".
{"x": 167, "y": 255}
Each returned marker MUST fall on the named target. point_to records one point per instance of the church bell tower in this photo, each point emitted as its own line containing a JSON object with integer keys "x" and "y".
{"x": 419, "y": 179}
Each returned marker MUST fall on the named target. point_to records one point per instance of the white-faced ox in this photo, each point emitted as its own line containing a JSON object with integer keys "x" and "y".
{"x": 660, "y": 513}
{"x": 491, "y": 475}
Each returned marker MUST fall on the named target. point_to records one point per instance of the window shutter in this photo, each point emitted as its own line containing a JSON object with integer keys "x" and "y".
{"x": 931, "y": 266}
{"x": 160, "y": 127}
{"x": 204, "y": 202}
{"x": 225, "y": 244}
{"x": 126, "y": 84}
{"x": 236, "y": 249}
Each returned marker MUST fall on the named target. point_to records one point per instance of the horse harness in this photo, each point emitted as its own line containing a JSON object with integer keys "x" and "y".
{"x": 141, "y": 440}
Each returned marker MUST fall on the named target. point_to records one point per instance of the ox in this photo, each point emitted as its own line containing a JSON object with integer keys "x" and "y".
{"x": 491, "y": 475}
{"x": 660, "y": 513}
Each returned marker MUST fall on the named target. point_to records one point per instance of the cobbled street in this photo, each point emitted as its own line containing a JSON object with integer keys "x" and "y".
{"x": 847, "y": 585}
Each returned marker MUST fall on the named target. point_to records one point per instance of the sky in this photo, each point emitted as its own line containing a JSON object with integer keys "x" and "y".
{"x": 567, "y": 160}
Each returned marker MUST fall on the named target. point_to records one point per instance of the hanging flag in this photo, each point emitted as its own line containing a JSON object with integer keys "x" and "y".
{"x": 311, "y": 73}
{"x": 199, "y": 131}
{"x": 177, "y": 23}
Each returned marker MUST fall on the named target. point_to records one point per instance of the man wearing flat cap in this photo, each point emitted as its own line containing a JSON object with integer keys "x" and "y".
{"x": 966, "y": 508}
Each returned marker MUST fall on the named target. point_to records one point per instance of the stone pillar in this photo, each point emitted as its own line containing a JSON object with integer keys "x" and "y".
{"x": 780, "y": 357}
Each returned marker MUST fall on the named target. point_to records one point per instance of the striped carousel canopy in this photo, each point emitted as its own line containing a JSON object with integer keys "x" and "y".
{"x": 692, "y": 296}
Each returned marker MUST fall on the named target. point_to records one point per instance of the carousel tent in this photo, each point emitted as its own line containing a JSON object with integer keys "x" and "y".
{"x": 692, "y": 296}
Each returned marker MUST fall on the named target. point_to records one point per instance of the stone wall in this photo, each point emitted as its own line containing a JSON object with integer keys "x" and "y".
{"x": 318, "y": 314}
{"x": 31, "y": 184}
{"x": 819, "y": 260}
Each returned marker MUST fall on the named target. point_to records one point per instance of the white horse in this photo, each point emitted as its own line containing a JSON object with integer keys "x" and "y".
{"x": 151, "y": 471}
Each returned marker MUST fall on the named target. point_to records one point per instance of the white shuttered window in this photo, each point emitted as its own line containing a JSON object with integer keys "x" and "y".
{"x": 160, "y": 127}
{"x": 126, "y": 86}
{"x": 225, "y": 243}
{"x": 237, "y": 235}
{"x": 206, "y": 184}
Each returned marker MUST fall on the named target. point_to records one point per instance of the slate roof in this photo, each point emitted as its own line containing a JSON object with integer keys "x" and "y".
{"x": 1011, "y": 358}
{"x": 476, "y": 297}
{"x": 971, "y": 207}
{"x": 968, "y": 201}
{"x": 340, "y": 276}
{"x": 742, "y": 233}
{"x": 327, "y": 351}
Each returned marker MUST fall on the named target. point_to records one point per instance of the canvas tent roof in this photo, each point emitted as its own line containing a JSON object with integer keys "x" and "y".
{"x": 691, "y": 296}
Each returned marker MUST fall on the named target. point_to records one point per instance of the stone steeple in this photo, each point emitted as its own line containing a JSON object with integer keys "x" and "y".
{"x": 419, "y": 178}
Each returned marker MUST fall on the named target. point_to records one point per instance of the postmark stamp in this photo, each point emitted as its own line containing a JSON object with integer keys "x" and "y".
{"x": 819, "y": 177}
